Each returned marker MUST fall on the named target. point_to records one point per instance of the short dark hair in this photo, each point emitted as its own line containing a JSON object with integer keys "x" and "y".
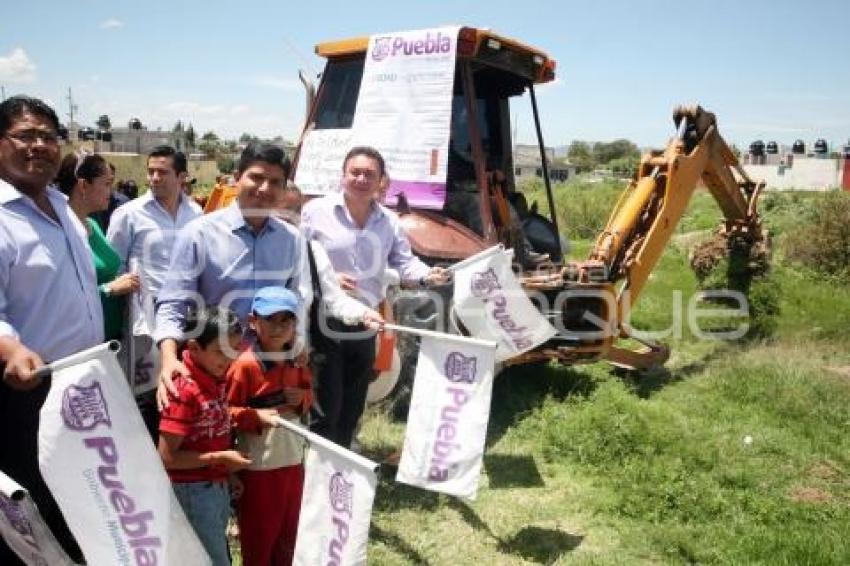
{"x": 265, "y": 152}
{"x": 16, "y": 106}
{"x": 366, "y": 151}
{"x": 88, "y": 166}
{"x": 207, "y": 324}
{"x": 178, "y": 158}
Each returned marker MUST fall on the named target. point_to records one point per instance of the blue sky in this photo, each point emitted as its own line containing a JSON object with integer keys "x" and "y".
{"x": 772, "y": 70}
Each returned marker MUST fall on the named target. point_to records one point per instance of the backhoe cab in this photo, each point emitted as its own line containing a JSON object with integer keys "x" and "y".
{"x": 482, "y": 207}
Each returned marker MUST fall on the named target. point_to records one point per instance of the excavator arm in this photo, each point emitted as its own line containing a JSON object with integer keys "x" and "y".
{"x": 606, "y": 286}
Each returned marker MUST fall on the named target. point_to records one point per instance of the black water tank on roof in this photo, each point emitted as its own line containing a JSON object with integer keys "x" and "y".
{"x": 821, "y": 147}
{"x": 757, "y": 148}
{"x": 799, "y": 147}
{"x": 772, "y": 147}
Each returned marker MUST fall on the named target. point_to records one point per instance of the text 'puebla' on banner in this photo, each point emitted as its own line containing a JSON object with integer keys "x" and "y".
{"x": 492, "y": 305}
{"x": 103, "y": 470}
{"x": 24, "y": 530}
{"x": 413, "y": 74}
{"x": 449, "y": 412}
{"x": 336, "y": 506}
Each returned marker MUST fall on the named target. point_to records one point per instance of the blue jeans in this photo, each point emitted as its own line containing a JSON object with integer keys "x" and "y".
{"x": 207, "y": 506}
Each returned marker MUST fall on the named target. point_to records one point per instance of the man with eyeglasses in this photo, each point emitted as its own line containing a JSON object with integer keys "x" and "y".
{"x": 49, "y": 303}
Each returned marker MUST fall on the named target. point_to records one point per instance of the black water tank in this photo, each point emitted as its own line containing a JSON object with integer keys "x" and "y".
{"x": 757, "y": 148}
{"x": 86, "y": 134}
{"x": 799, "y": 147}
{"x": 772, "y": 147}
{"x": 821, "y": 147}
{"x": 104, "y": 136}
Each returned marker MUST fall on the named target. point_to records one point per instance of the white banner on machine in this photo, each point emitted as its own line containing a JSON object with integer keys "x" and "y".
{"x": 103, "y": 470}
{"x": 320, "y": 160}
{"x": 405, "y": 110}
{"x": 492, "y": 305}
{"x": 23, "y": 529}
{"x": 449, "y": 412}
{"x": 336, "y": 507}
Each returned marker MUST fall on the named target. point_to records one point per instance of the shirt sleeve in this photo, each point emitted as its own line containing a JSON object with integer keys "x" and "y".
{"x": 302, "y": 284}
{"x": 120, "y": 235}
{"x": 181, "y": 412}
{"x": 410, "y": 267}
{"x": 338, "y": 303}
{"x": 306, "y": 383}
{"x": 238, "y": 389}
{"x": 7, "y": 259}
{"x": 179, "y": 291}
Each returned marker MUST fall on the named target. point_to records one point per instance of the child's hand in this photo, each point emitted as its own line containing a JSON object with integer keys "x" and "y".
{"x": 231, "y": 460}
{"x": 294, "y": 396}
{"x": 268, "y": 417}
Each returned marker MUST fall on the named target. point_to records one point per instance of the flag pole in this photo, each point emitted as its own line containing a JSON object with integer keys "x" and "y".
{"x": 313, "y": 438}
{"x": 440, "y": 335}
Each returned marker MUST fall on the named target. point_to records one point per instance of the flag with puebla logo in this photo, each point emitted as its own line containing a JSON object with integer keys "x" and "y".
{"x": 24, "y": 530}
{"x": 98, "y": 460}
{"x": 336, "y": 507}
{"x": 492, "y": 305}
{"x": 449, "y": 411}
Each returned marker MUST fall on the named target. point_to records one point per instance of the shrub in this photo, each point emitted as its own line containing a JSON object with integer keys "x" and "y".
{"x": 821, "y": 239}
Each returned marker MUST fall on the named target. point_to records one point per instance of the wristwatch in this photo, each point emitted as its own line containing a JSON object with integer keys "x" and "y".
{"x": 106, "y": 290}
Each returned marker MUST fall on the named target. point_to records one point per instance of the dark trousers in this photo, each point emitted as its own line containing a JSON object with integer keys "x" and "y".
{"x": 343, "y": 382}
{"x": 19, "y": 416}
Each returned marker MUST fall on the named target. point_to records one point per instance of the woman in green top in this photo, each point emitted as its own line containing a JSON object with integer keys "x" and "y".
{"x": 87, "y": 180}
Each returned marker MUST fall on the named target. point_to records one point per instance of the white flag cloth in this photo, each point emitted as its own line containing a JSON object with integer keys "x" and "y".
{"x": 100, "y": 464}
{"x": 493, "y": 306}
{"x": 449, "y": 411}
{"x": 24, "y": 530}
{"x": 143, "y": 353}
{"x": 336, "y": 507}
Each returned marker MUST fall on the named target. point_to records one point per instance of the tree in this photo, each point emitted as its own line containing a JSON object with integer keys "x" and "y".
{"x": 189, "y": 136}
{"x": 210, "y": 145}
{"x": 605, "y": 152}
{"x": 247, "y": 138}
{"x": 580, "y": 155}
{"x": 135, "y": 124}
{"x": 103, "y": 123}
{"x": 178, "y": 135}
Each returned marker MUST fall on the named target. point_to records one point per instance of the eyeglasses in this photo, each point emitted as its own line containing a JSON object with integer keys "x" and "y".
{"x": 30, "y": 137}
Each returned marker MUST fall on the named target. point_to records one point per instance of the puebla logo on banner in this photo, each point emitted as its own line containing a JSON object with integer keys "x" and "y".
{"x": 98, "y": 461}
{"x": 449, "y": 412}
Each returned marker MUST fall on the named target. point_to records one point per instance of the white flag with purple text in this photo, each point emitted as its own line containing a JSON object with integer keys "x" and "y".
{"x": 492, "y": 305}
{"x": 336, "y": 507}
{"x": 98, "y": 460}
{"x": 24, "y": 530}
{"x": 449, "y": 412}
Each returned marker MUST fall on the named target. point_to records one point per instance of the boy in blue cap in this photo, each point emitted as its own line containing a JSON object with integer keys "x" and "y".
{"x": 263, "y": 386}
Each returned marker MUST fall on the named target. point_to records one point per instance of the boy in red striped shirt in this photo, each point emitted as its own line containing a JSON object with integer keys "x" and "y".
{"x": 194, "y": 440}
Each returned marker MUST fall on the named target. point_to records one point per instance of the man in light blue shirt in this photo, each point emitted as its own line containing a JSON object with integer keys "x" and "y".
{"x": 143, "y": 231}
{"x": 49, "y": 303}
{"x": 222, "y": 258}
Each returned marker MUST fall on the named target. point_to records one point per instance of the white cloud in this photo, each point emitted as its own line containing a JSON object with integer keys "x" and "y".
{"x": 17, "y": 67}
{"x": 111, "y": 23}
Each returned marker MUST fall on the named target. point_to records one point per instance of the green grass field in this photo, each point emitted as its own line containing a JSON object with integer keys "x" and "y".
{"x": 734, "y": 453}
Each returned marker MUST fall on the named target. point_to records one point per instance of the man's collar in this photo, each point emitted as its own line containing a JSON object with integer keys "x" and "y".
{"x": 8, "y": 193}
{"x": 338, "y": 200}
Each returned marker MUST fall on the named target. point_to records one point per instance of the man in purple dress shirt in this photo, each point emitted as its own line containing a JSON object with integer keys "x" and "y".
{"x": 362, "y": 238}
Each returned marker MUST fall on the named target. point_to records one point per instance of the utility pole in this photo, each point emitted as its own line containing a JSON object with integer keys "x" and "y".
{"x": 2, "y": 93}
{"x": 71, "y": 107}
